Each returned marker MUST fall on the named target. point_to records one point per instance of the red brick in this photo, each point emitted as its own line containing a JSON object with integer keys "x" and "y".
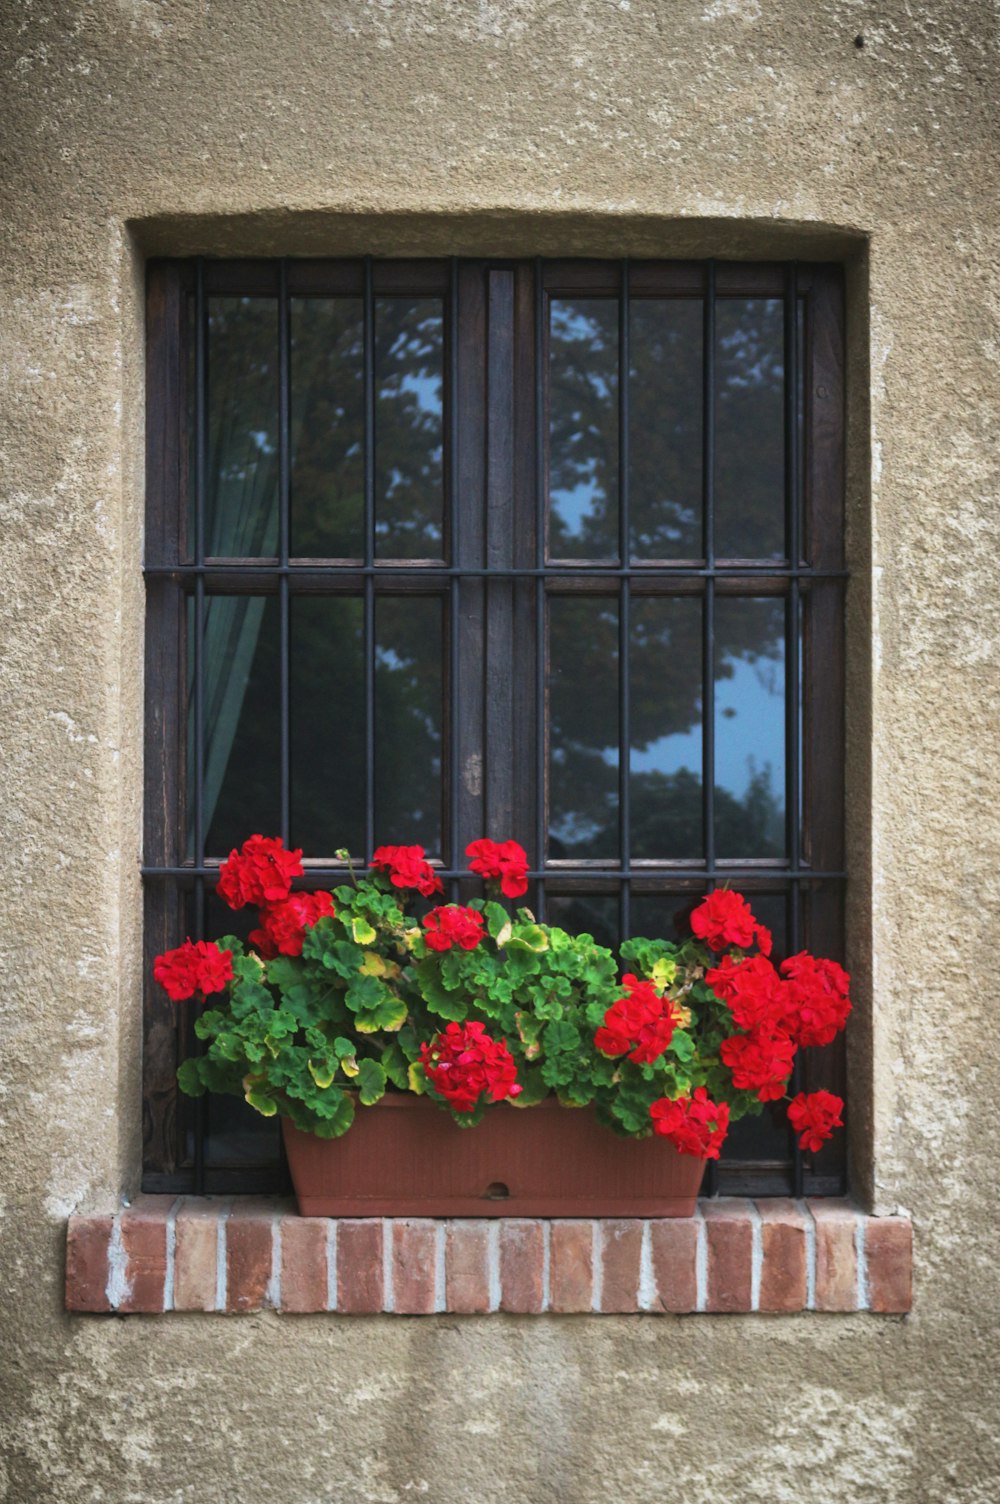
{"x": 522, "y": 1265}
{"x": 783, "y": 1248}
{"x": 889, "y": 1262}
{"x": 249, "y": 1250}
{"x": 144, "y": 1238}
{"x": 467, "y": 1273}
{"x": 196, "y": 1245}
{"x": 730, "y": 1253}
{"x": 304, "y": 1263}
{"x": 675, "y": 1263}
{"x": 359, "y": 1266}
{"x": 87, "y": 1240}
{"x": 836, "y": 1255}
{"x": 414, "y": 1257}
{"x": 621, "y": 1253}
{"x": 571, "y": 1267}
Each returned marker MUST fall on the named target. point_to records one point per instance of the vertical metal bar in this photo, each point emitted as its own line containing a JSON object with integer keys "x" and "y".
{"x": 541, "y": 728}
{"x": 792, "y": 643}
{"x": 624, "y": 612}
{"x": 284, "y": 533}
{"x": 708, "y": 610}
{"x": 200, "y": 477}
{"x": 454, "y": 834}
{"x": 369, "y": 557}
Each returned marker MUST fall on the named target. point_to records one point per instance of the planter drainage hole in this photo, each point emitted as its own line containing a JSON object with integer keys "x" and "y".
{"x": 496, "y": 1191}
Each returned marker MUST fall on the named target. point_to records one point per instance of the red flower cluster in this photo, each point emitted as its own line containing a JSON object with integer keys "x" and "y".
{"x": 818, "y": 1004}
{"x": 760, "y": 1061}
{"x": 283, "y": 924}
{"x": 814, "y": 1117}
{"x": 463, "y": 1063}
{"x": 198, "y": 967}
{"x": 724, "y": 918}
{"x": 452, "y": 924}
{"x": 640, "y": 1025}
{"x": 694, "y": 1125}
{"x": 260, "y": 872}
{"x": 505, "y": 860}
{"x": 407, "y": 868}
{"x": 756, "y": 995}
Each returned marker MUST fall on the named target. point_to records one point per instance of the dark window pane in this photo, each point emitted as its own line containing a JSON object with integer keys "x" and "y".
{"x": 666, "y": 727}
{"x": 328, "y": 428}
{"x": 749, "y": 429}
{"x": 663, "y": 916}
{"x": 585, "y": 913}
{"x": 749, "y": 727}
{"x": 408, "y": 715}
{"x": 327, "y": 724}
{"x": 771, "y": 909}
{"x": 409, "y": 428}
{"x": 241, "y": 489}
{"x": 759, "y": 1138}
{"x": 242, "y": 737}
{"x": 665, "y": 423}
{"x": 583, "y": 431}
{"x": 583, "y": 727}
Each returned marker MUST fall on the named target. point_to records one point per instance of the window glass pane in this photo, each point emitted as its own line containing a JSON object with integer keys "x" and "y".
{"x": 663, "y": 916}
{"x": 328, "y": 428}
{"x": 666, "y": 727}
{"x": 242, "y": 737}
{"x": 585, "y": 913}
{"x": 749, "y": 429}
{"x": 749, "y": 727}
{"x": 408, "y": 716}
{"x": 759, "y": 1138}
{"x": 665, "y": 428}
{"x": 327, "y": 725}
{"x": 583, "y": 727}
{"x": 409, "y": 428}
{"x": 241, "y": 484}
{"x": 583, "y": 428}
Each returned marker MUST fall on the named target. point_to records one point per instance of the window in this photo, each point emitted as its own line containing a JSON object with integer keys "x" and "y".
{"x": 544, "y": 549}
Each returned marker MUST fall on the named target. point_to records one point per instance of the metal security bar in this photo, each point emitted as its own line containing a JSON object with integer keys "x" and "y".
{"x": 492, "y": 584}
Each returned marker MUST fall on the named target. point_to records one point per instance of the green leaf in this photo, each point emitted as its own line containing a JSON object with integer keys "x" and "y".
{"x": 371, "y": 1081}
{"x": 322, "y": 1073}
{"x": 561, "y": 1036}
{"x": 394, "y": 1063}
{"x": 189, "y": 1078}
{"x": 496, "y": 917}
{"x": 265, "y": 1105}
{"x": 388, "y": 1014}
{"x": 362, "y": 931}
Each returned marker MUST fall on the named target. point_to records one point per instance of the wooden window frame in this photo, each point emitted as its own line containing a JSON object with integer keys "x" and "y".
{"x": 495, "y": 406}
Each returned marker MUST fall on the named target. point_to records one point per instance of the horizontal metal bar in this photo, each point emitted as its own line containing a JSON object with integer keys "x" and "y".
{"x": 448, "y": 571}
{"x": 566, "y": 874}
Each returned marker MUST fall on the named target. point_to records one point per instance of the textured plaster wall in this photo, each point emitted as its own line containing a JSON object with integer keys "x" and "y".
{"x": 734, "y": 127}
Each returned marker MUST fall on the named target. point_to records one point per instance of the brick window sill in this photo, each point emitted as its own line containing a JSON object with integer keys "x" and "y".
{"x": 736, "y": 1255}
{"x": 245, "y": 1255}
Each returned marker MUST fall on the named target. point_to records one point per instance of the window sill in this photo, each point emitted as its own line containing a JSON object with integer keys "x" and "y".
{"x": 736, "y": 1255}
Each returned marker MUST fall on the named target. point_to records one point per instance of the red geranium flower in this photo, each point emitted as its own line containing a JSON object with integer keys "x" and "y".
{"x": 724, "y": 918}
{"x": 463, "y": 1063}
{"x": 407, "y": 868}
{"x": 818, "y": 1004}
{"x": 640, "y": 1025}
{"x": 198, "y": 967}
{"x": 283, "y": 925}
{"x": 505, "y": 860}
{"x": 260, "y": 872}
{"x": 755, "y": 993}
{"x": 760, "y": 1061}
{"x": 452, "y": 924}
{"x": 694, "y": 1125}
{"x": 814, "y": 1117}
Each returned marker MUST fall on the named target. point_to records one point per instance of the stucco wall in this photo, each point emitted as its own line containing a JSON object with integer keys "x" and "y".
{"x": 734, "y": 127}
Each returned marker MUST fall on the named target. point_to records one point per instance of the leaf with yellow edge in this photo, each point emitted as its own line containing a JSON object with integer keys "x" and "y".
{"x": 388, "y": 1014}
{"x": 266, "y": 1106}
{"x": 415, "y": 1076}
{"x": 362, "y": 930}
{"x": 322, "y": 1074}
{"x": 349, "y": 1065}
{"x": 664, "y": 972}
{"x": 373, "y": 965}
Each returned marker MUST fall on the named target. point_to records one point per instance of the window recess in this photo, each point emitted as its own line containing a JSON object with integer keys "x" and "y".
{"x": 548, "y": 549}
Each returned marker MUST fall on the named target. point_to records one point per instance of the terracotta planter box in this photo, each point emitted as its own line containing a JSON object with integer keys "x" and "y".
{"x": 406, "y": 1157}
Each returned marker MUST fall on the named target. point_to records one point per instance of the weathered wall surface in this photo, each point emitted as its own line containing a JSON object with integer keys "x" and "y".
{"x": 734, "y": 127}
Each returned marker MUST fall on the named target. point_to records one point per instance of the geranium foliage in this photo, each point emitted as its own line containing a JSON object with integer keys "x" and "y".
{"x": 341, "y": 997}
